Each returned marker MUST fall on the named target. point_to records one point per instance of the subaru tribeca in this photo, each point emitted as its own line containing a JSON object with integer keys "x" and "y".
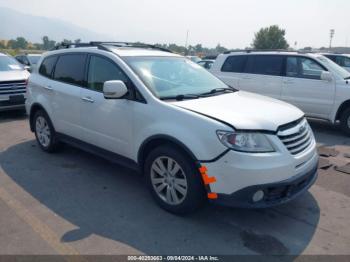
{"x": 192, "y": 136}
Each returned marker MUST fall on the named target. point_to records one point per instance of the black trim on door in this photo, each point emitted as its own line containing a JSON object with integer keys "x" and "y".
{"x": 113, "y": 157}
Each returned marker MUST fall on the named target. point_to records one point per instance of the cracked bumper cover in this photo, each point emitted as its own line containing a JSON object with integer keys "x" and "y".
{"x": 274, "y": 193}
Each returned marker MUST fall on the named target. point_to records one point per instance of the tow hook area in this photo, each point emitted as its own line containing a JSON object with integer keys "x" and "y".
{"x": 207, "y": 181}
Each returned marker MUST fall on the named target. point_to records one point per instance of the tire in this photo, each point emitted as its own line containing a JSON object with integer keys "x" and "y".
{"x": 345, "y": 121}
{"x": 44, "y": 132}
{"x": 181, "y": 190}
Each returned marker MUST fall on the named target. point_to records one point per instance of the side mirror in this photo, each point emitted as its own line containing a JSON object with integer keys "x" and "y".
{"x": 326, "y": 76}
{"x": 114, "y": 89}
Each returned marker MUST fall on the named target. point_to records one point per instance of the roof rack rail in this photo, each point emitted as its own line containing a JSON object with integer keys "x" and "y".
{"x": 104, "y": 45}
{"x": 266, "y": 50}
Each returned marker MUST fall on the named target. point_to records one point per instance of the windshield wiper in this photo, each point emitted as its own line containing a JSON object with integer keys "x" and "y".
{"x": 219, "y": 90}
{"x": 180, "y": 97}
{"x": 347, "y": 78}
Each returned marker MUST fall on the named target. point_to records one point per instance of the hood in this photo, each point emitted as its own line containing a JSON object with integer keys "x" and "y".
{"x": 13, "y": 75}
{"x": 245, "y": 110}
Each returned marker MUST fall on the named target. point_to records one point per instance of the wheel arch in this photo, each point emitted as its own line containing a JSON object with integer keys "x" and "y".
{"x": 158, "y": 140}
{"x": 342, "y": 108}
{"x": 34, "y": 108}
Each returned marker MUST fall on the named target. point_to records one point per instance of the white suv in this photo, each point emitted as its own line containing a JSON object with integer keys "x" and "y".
{"x": 309, "y": 81}
{"x": 192, "y": 136}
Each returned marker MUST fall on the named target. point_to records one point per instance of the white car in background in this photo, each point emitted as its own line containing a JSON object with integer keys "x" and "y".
{"x": 312, "y": 82}
{"x": 192, "y": 136}
{"x": 13, "y": 79}
{"x": 342, "y": 60}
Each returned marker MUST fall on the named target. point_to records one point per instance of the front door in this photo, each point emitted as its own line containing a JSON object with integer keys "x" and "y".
{"x": 106, "y": 123}
{"x": 303, "y": 87}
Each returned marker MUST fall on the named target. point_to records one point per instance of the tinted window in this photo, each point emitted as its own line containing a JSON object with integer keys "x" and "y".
{"x": 47, "y": 65}
{"x": 331, "y": 57}
{"x": 267, "y": 65}
{"x": 346, "y": 61}
{"x": 102, "y": 70}
{"x": 70, "y": 69}
{"x": 310, "y": 68}
{"x": 292, "y": 67}
{"x": 235, "y": 64}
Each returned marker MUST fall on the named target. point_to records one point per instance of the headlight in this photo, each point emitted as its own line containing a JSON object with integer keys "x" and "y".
{"x": 245, "y": 141}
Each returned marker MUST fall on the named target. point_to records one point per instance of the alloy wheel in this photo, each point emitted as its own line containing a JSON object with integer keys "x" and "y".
{"x": 43, "y": 132}
{"x": 169, "y": 180}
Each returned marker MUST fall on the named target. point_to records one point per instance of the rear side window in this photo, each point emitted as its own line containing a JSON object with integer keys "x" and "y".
{"x": 235, "y": 64}
{"x": 267, "y": 65}
{"x": 47, "y": 65}
{"x": 71, "y": 69}
{"x": 102, "y": 70}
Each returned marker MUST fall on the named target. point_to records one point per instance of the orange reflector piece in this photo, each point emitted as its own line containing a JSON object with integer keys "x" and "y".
{"x": 208, "y": 180}
{"x": 212, "y": 195}
{"x": 203, "y": 169}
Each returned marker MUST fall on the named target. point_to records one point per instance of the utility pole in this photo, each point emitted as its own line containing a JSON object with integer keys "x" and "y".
{"x": 332, "y": 32}
{"x": 186, "y": 51}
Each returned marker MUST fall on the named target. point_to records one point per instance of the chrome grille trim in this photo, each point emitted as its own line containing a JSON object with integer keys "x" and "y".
{"x": 12, "y": 87}
{"x": 297, "y": 137}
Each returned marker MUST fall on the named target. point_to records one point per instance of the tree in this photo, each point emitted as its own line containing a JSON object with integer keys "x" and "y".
{"x": 270, "y": 38}
{"x": 47, "y": 43}
{"x": 22, "y": 43}
{"x": 77, "y": 41}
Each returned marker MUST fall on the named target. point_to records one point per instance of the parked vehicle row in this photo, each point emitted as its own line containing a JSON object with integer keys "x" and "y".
{"x": 312, "y": 82}
{"x": 192, "y": 136}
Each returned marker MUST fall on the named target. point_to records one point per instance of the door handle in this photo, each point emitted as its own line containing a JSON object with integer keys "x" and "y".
{"x": 87, "y": 99}
{"x": 49, "y": 88}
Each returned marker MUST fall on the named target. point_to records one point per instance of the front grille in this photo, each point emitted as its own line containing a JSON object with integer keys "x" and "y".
{"x": 296, "y": 137}
{"x": 12, "y": 87}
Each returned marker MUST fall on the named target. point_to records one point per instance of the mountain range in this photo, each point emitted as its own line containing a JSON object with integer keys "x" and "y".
{"x": 33, "y": 28}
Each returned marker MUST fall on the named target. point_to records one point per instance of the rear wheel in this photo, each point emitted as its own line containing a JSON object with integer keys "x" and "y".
{"x": 173, "y": 180}
{"x": 345, "y": 121}
{"x": 44, "y": 132}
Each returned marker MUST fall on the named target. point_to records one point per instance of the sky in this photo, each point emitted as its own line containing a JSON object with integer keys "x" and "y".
{"x": 232, "y": 23}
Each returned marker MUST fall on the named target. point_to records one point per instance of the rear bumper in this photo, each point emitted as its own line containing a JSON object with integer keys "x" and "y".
{"x": 274, "y": 193}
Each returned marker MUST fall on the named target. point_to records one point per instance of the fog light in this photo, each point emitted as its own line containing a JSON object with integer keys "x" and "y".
{"x": 258, "y": 195}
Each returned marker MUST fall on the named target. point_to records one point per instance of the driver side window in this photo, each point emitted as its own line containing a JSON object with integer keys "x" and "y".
{"x": 102, "y": 70}
{"x": 310, "y": 69}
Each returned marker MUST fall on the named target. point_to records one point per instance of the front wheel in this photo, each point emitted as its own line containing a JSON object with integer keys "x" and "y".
{"x": 44, "y": 132}
{"x": 345, "y": 121}
{"x": 173, "y": 180}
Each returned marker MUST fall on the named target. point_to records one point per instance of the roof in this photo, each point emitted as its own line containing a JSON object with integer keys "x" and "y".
{"x": 120, "y": 48}
{"x": 277, "y": 52}
{"x": 132, "y": 51}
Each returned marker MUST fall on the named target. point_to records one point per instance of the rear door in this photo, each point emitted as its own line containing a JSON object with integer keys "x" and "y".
{"x": 303, "y": 87}
{"x": 68, "y": 80}
{"x": 263, "y": 75}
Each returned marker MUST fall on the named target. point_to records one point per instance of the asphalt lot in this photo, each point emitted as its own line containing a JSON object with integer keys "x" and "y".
{"x": 73, "y": 202}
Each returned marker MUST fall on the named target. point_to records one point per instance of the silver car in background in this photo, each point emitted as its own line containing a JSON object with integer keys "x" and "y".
{"x": 13, "y": 79}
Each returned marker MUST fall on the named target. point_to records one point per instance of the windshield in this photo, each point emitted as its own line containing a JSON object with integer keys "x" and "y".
{"x": 9, "y": 64}
{"x": 335, "y": 67}
{"x": 34, "y": 59}
{"x": 174, "y": 76}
